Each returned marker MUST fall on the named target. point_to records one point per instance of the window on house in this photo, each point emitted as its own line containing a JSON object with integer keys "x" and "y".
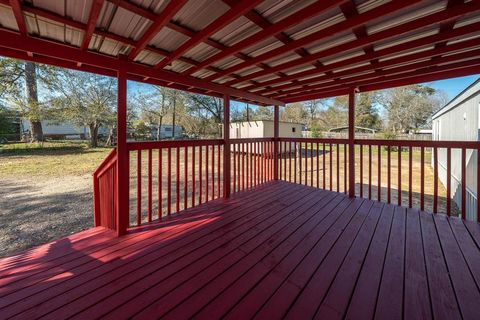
{"x": 293, "y": 129}
{"x": 168, "y": 129}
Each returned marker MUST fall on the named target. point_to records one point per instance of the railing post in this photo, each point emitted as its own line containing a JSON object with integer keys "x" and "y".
{"x": 226, "y": 146}
{"x": 122, "y": 194}
{"x": 351, "y": 143}
{"x": 276, "y": 120}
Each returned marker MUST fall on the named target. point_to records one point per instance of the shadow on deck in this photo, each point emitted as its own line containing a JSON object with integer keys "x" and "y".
{"x": 278, "y": 250}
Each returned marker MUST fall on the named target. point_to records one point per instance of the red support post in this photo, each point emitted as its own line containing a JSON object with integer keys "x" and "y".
{"x": 276, "y": 120}
{"x": 122, "y": 195}
{"x": 351, "y": 143}
{"x": 226, "y": 146}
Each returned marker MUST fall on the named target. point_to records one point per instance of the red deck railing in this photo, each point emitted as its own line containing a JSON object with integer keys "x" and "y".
{"x": 428, "y": 175}
{"x": 104, "y": 192}
{"x": 169, "y": 176}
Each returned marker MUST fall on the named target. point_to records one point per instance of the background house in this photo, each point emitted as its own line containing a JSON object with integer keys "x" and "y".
{"x": 56, "y": 130}
{"x": 166, "y": 131}
{"x": 264, "y": 129}
{"x": 459, "y": 120}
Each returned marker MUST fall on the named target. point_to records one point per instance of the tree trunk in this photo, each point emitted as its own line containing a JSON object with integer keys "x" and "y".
{"x": 36, "y": 131}
{"x": 93, "y": 128}
{"x": 159, "y": 129}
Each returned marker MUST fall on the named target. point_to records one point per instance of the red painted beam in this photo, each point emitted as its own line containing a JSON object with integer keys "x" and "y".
{"x": 454, "y": 48}
{"x": 69, "y": 53}
{"x": 165, "y": 16}
{"x": 452, "y": 13}
{"x": 394, "y": 82}
{"x": 92, "y": 22}
{"x": 371, "y": 15}
{"x": 294, "y": 19}
{"x": 352, "y": 79}
{"x": 400, "y": 72}
{"x": 236, "y": 11}
{"x": 17, "y": 12}
{"x": 457, "y": 33}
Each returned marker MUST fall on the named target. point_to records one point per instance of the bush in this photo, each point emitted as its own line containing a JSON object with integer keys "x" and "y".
{"x": 390, "y": 136}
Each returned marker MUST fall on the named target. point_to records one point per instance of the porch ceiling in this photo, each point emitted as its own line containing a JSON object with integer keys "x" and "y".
{"x": 262, "y": 51}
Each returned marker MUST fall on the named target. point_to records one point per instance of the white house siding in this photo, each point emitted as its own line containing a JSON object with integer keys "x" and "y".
{"x": 459, "y": 121}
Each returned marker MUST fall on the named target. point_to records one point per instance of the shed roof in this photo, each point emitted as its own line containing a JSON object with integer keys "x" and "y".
{"x": 263, "y": 51}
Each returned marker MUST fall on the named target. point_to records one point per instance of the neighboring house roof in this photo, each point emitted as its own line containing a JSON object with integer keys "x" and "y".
{"x": 466, "y": 94}
{"x": 356, "y": 127}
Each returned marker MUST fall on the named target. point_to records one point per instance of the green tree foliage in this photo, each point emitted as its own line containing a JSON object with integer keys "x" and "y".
{"x": 19, "y": 87}
{"x": 410, "y": 107}
{"x": 85, "y": 99}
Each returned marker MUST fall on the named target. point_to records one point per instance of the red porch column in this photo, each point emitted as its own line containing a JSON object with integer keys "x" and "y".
{"x": 122, "y": 194}
{"x": 226, "y": 146}
{"x": 351, "y": 143}
{"x": 276, "y": 124}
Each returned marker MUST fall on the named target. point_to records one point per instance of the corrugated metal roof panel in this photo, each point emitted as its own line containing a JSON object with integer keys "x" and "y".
{"x": 263, "y": 47}
{"x": 127, "y": 24}
{"x": 236, "y": 31}
{"x": 7, "y": 18}
{"x": 410, "y": 15}
{"x": 168, "y": 39}
{"x": 200, "y": 13}
{"x": 315, "y": 24}
{"x": 201, "y": 52}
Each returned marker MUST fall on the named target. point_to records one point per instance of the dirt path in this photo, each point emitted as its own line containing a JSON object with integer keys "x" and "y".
{"x": 40, "y": 209}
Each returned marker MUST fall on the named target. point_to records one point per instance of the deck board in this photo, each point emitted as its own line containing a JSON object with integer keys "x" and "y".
{"x": 280, "y": 250}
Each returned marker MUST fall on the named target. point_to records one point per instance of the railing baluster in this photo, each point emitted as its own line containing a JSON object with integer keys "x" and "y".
{"x": 331, "y": 168}
{"x": 200, "y": 174}
{"x": 311, "y": 164}
{"x": 185, "y": 182}
{"x": 234, "y": 159}
{"x": 435, "y": 180}
{"x": 361, "y": 171}
{"x": 206, "y": 174}
{"x": 243, "y": 166}
{"x": 379, "y": 174}
{"x": 422, "y": 179}
{"x": 306, "y": 164}
{"x": 169, "y": 190}
{"x": 290, "y": 161}
{"x": 295, "y": 162}
{"x": 212, "y": 197}
{"x": 449, "y": 181}
{"x": 318, "y": 162}
{"x": 369, "y": 172}
{"x": 160, "y": 184}
{"x": 250, "y": 154}
{"x": 139, "y": 187}
{"x": 399, "y": 171}
{"x": 284, "y": 160}
{"x": 389, "y": 169}
{"x": 177, "y": 176}
{"x": 323, "y": 166}
{"x": 345, "y": 151}
{"x": 193, "y": 175}
{"x": 219, "y": 176}
{"x": 464, "y": 183}
{"x": 410, "y": 173}
{"x": 255, "y": 178}
{"x": 338, "y": 167}
{"x": 149, "y": 185}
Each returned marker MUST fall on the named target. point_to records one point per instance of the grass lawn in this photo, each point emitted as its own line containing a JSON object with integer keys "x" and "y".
{"x": 59, "y": 158}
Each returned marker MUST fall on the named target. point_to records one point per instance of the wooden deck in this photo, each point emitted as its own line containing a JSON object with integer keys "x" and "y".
{"x": 279, "y": 250}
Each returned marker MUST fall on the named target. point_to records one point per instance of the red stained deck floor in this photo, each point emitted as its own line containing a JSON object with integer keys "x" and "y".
{"x": 279, "y": 250}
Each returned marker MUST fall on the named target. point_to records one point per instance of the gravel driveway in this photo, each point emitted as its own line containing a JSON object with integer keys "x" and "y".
{"x": 40, "y": 209}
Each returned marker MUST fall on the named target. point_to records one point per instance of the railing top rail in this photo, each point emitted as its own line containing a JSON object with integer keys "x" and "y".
{"x": 319, "y": 140}
{"x": 246, "y": 140}
{"x": 420, "y": 143}
{"x": 145, "y": 145}
{"x": 106, "y": 162}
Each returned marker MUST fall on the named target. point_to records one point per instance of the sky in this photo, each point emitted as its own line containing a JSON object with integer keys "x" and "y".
{"x": 454, "y": 86}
